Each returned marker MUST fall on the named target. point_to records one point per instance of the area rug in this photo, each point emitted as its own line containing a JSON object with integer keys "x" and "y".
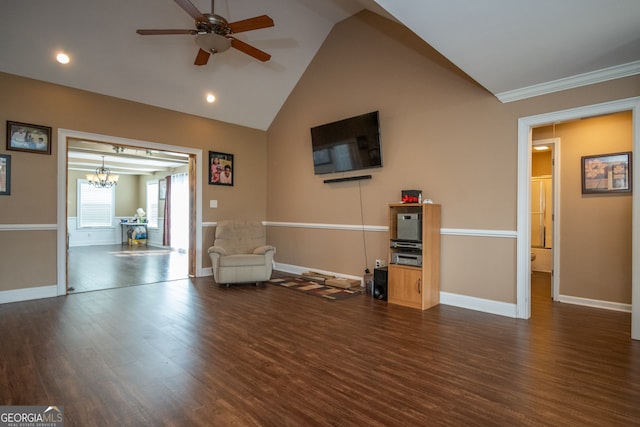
{"x": 314, "y": 288}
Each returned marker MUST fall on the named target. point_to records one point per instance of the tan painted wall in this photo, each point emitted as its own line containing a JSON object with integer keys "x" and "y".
{"x": 33, "y": 200}
{"x": 28, "y": 259}
{"x": 595, "y": 230}
{"x": 442, "y": 134}
{"x": 541, "y": 162}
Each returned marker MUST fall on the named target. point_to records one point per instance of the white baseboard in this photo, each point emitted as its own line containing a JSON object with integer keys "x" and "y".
{"x": 26, "y": 294}
{"x": 462, "y": 301}
{"x": 446, "y": 298}
{"x": 478, "y": 304}
{"x": 606, "y": 305}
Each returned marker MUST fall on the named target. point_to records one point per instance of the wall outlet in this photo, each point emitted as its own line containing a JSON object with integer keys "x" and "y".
{"x": 380, "y": 263}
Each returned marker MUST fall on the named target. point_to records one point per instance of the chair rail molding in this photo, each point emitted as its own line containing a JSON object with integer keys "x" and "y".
{"x": 28, "y": 227}
{"x": 510, "y": 234}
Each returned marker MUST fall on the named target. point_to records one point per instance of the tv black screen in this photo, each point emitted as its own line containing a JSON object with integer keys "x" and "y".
{"x": 347, "y": 145}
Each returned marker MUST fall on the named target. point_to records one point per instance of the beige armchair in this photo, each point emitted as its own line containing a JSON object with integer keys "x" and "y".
{"x": 240, "y": 254}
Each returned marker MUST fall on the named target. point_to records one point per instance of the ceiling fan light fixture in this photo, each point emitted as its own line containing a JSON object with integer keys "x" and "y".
{"x": 213, "y": 43}
{"x": 213, "y": 33}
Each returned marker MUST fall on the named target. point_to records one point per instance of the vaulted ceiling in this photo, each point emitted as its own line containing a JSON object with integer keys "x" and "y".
{"x": 515, "y": 49}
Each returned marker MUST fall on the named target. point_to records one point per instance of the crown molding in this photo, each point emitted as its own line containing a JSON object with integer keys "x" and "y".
{"x": 593, "y": 77}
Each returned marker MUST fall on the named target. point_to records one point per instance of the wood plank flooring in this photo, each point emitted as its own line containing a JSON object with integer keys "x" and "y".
{"x": 191, "y": 353}
{"x": 98, "y": 267}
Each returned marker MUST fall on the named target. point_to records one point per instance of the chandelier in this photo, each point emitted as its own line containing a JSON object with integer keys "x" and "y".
{"x": 102, "y": 178}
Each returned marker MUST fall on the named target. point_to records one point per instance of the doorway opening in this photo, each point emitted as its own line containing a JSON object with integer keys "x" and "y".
{"x": 525, "y": 137}
{"x": 116, "y": 235}
{"x": 545, "y": 196}
{"x": 193, "y": 217}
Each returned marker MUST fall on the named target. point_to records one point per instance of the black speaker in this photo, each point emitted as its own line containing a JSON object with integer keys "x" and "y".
{"x": 380, "y": 283}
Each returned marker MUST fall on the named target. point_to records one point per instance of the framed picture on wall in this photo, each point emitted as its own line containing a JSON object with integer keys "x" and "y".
{"x": 30, "y": 138}
{"x": 220, "y": 168}
{"x": 606, "y": 173}
{"x": 5, "y": 175}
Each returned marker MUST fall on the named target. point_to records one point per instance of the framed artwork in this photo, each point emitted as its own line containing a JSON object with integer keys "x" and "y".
{"x": 220, "y": 168}
{"x": 5, "y": 175}
{"x": 606, "y": 173}
{"x": 30, "y": 138}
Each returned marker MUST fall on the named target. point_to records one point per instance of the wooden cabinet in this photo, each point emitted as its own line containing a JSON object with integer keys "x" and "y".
{"x": 416, "y": 286}
{"x": 405, "y": 286}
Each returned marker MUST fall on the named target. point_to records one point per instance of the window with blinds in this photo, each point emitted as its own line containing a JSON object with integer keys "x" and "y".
{"x": 95, "y": 205}
{"x": 153, "y": 194}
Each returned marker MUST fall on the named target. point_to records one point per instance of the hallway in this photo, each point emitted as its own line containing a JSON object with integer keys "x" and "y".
{"x": 541, "y": 293}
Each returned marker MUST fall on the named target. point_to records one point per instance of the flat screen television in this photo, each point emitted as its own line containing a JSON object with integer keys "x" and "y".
{"x": 347, "y": 145}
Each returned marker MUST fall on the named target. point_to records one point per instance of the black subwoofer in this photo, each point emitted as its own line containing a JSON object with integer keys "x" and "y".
{"x": 380, "y": 283}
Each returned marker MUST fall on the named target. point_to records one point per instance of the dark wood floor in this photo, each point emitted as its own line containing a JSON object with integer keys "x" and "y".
{"x": 189, "y": 352}
{"x": 91, "y": 268}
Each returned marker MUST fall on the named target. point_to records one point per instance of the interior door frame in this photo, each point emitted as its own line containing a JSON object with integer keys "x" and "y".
{"x": 525, "y": 125}
{"x": 195, "y": 155}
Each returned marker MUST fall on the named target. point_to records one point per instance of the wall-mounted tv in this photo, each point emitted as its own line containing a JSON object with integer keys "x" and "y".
{"x": 347, "y": 145}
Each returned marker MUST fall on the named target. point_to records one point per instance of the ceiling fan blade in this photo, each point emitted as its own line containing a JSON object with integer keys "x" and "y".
{"x": 202, "y": 57}
{"x": 188, "y": 7}
{"x": 250, "y": 50}
{"x": 262, "y": 21}
{"x": 163, "y": 32}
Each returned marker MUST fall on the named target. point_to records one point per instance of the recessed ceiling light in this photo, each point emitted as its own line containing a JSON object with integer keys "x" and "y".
{"x": 540, "y": 147}
{"x": 62, "y": 58}
{"x": 210, "y": 98}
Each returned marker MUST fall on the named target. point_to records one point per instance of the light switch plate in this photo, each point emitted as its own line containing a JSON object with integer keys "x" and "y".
{"x": 213, "y": 203}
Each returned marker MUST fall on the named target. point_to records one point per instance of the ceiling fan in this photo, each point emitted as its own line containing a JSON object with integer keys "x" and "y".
{"x": 214, "y": 34}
